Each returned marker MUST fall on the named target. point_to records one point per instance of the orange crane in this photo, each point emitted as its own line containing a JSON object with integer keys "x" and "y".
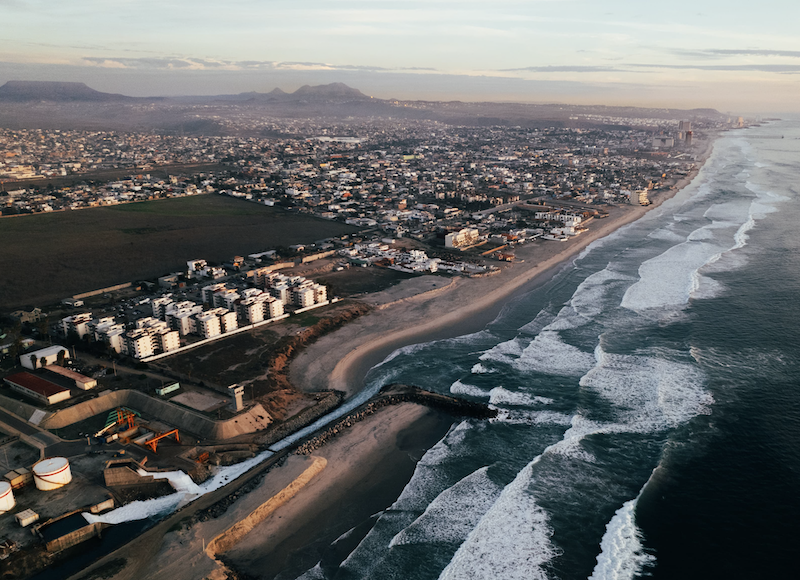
{"x": 153, "y": 443}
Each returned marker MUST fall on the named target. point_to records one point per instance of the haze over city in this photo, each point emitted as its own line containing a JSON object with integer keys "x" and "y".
{"x": 724, "y": 55}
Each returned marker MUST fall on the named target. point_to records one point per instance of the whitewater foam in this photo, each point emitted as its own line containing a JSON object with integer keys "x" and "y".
{"x": 459, "y": 388}
{"x": 454, "y": 513}
{"x": 622, "y": 556}
{"x": 548, "y": 354}
{"x": 511, "y": 541}
{"x": 650, "y": 393}
{"x": 501, "y": 396}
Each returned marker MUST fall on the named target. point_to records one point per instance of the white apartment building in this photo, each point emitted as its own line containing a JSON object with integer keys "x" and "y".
{"x": 281, "y": 292}
{"x": 228, "y": 321}
{"x": 273, "y": 307}
{"x": 180, "y": 316}
{"x": 207, "y": 324}
{"x": 160, "y": 304}
{"x": 251, "y": 310}
{"x": 207, "y": 292}
{"x": 77, "y": 324}
{"x": 303, "y": 296}
{"x": 169, "y": 340}
{"x": 139, "y": 343}
{"x": 225, "y": 298}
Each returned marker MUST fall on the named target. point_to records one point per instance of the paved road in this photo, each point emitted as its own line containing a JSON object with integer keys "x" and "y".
{"x": 15, "y": 423}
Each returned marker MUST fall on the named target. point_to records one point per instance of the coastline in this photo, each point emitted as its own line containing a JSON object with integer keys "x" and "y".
{"x": 373, "y": 460}
{"x": 409, "y": 314}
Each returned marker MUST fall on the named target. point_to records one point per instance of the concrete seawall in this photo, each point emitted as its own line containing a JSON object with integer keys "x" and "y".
{"x": 233, "y": 535}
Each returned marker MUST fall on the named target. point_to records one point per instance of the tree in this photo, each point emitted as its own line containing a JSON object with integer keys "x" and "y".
{"x": 43, "y": 361}
{"x": 62, "y": 354}
{"x": 33, "y": 360}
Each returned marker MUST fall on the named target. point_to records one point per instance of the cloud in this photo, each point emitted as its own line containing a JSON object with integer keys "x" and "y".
{"x": 565, "y": 68}
{"x": 718, "y": 52}
{"x": 772, "y": 68}
{"x": 192, "y": 63}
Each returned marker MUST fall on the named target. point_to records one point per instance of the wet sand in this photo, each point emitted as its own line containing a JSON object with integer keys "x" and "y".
{"x": 368, "y": 467}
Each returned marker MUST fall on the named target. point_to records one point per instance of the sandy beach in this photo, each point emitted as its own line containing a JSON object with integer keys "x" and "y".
{"x": 432, "y": 307}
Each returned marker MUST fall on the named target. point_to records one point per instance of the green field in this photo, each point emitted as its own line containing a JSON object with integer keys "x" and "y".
{"x": 47, "y": 257}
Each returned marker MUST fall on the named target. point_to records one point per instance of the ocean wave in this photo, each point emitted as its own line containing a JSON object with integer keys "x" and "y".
{"x": 511, "y": 541}
{"x": 479, "y": 369}
{"x": 459, "y": 388}
{"x": 666, "y": 235}
{"x": 622, "y": 556}
{"x": 504, "y": 352}
{"x": 454, "y": 513}
{"x": 669, "y": 279}
{"x": 651, "y": 393}
{"x": 520, "y": 417}
{"x": 548, "y": 354}
{"x": 501, "y": 396}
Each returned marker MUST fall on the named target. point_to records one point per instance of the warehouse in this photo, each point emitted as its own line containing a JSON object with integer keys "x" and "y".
{"x": 37, "y": 388}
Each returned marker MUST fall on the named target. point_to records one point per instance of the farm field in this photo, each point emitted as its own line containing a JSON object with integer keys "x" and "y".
{"x": 47, "y": 257}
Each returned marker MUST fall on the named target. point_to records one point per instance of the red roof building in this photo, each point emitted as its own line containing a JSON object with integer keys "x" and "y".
{"x": 37, "y": 388}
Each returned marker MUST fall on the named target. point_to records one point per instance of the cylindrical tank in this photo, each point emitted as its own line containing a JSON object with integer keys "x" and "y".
{"x": 7, "y": 502}
{"x": 52, "y": 473}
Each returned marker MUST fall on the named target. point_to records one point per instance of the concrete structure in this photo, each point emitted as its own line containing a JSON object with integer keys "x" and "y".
{"x": 7, "y": 502}
{"x": 185, "y": 419}
{"x": 663, "y": 142}
{"x": 32, "y": 360}
{"x": 19, "y": 477}
{"x": 237, "y": 392}
{"x": 26, "y": 518}
{"x": 52, "y": 473}
{"x": 37, "y": 388}
{"x": 83, "y": 382}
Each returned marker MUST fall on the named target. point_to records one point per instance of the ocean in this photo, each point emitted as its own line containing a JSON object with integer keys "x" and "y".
{"x": 648, "y": 396}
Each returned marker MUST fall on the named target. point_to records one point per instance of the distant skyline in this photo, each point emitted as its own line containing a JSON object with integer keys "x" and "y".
{"x": 729, "y": 55}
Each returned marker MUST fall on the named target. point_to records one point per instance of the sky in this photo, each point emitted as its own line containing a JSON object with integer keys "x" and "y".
{"x": 735, "y": 56}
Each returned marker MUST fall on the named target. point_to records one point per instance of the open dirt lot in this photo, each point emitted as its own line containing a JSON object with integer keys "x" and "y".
{"x": 66, "y": 253}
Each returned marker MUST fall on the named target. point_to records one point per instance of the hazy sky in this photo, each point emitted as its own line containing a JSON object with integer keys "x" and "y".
{"x": 731, "y": 55}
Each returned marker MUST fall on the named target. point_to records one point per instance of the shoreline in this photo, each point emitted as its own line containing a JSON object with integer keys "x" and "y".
{"x": 373, "y": 459}
{"x": 342, "y": 359}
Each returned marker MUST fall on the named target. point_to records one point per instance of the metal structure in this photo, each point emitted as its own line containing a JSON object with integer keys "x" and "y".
{"x": 153, "y": 443}
{"x": 119, "y": 416}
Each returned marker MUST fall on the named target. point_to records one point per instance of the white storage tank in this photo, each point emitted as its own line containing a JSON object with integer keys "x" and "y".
{"x": 52, "y": 473}
{"x": 7, "y": 502}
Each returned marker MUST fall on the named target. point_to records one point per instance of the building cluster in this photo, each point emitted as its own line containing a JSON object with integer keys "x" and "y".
{"x": 401, "y": 178}
{"x": 174, "y": 323}
{"x": 43, "y": 153}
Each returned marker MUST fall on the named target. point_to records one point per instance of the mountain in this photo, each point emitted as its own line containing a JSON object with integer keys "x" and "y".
{"x": 337, "y": 92}
{"x": 26, "y": 91}
{"x": 331, "y": 91}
